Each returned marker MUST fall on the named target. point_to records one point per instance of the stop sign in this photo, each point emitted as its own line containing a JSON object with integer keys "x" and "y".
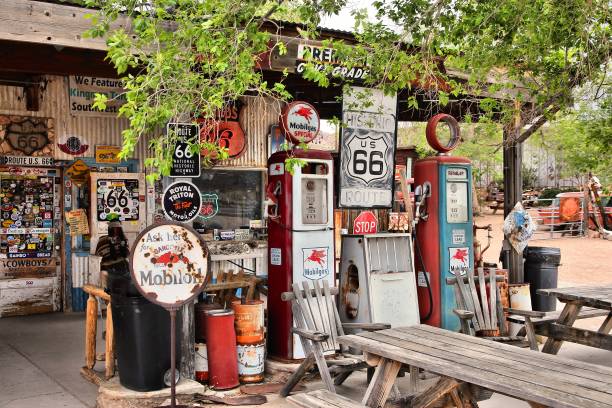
{"x": 365, "y": 223}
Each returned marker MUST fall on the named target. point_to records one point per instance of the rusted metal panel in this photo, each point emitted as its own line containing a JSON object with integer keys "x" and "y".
{"x": 256, "y": 117}
{"x": 28, "y": 296}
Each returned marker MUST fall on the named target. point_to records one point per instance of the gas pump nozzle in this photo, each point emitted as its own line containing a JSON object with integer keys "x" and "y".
{"x": 421, "y": 192}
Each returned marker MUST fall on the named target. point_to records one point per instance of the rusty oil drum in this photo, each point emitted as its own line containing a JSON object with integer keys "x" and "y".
{"x": 221, "y": 348}
{"x": 250, "y": 339}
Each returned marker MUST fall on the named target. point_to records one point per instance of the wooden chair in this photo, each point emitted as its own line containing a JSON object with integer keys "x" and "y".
{"x": 485, "y": 314}
{"x": 229, "y": 282}
{"x": 317, "y": 324}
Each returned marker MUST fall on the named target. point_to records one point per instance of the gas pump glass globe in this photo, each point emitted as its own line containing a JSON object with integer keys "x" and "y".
{"x": 445, "y": 135}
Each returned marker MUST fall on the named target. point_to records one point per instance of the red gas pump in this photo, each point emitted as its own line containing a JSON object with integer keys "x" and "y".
{"x": 300, "y": 214}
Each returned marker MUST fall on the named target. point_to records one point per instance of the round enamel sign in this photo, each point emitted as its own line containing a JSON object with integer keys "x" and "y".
{"x": 182, "y": 201}
{"x": 169, "y": 262}
{"x": 300, "y": 121}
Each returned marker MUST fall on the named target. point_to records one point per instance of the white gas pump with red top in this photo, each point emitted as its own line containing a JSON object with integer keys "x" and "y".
{"x": 300, "y": 224}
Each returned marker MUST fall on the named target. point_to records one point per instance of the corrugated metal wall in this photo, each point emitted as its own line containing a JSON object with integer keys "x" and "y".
{"x": 55, "y": 104}
{"x": 257, "y": 115}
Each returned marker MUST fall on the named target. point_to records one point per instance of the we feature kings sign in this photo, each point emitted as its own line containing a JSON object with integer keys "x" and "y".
{"x": 367, "y": 149}
{"x": 169, "y": 263}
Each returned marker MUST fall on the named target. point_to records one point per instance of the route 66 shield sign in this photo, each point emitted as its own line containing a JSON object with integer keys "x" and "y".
{"x": 210, "y": 206}
{"x": 368, "y": 153}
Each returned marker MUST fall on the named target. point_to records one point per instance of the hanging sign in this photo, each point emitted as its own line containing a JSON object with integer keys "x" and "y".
{"x": 300, "y": 122}
{"x": 118, "y": 197}
{"x": 182, "y": 201}
{"x": 225, "y": 130}
{"x": 367, "y": 149}
{"x": 185, "y": 163}
{"x": 107, "y": 154}
{"x": 365, "y": 223}
{"x": 321, "y": 57}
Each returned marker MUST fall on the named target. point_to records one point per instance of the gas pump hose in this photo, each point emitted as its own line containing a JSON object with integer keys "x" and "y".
{"x": 420, "y": 256}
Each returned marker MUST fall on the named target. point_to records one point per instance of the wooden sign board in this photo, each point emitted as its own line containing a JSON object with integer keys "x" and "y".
{"x": 27, "y": 268}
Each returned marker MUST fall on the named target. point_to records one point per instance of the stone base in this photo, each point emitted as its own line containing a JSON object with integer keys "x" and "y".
{"x": 112, "y": 394}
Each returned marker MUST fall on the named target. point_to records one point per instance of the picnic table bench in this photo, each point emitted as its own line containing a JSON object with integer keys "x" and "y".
{"x": 576, "y": 299}
{"x": 538, "y": 378}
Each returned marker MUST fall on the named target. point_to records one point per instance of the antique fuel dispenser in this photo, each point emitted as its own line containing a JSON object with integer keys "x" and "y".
{"x": 444, "y": 237}
{"x": 300, "y": 237}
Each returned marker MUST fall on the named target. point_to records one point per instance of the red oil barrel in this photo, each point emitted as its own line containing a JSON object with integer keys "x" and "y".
{"x": 251, "y": 358}
{"x": 249, "y": 321}
{"x": 199, "y": 319}
{"x": 201, "y": 363}
{"x": 221, "y": 348}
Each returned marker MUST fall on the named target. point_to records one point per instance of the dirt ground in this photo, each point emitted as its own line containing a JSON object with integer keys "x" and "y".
{"x": 584, "y": 261}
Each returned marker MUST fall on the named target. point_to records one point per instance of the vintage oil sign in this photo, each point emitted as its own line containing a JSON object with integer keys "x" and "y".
{"x": 316, "y": 262}
{"x": 459, "y": 260}
{"x": 169, "y": 264}
{"x": 182, "y": 201}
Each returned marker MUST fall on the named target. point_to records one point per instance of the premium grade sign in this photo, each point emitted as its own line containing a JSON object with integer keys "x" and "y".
{"x": 182, "y": 201}
{"x": 367, "y": 149}
{"x": 185, "y": 163}
{"x": 169, "y": 263}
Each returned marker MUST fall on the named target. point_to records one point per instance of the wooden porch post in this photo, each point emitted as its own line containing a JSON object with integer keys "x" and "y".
{"x": 513, "y": 191}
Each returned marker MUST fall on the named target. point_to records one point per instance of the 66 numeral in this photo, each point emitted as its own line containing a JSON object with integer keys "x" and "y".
{"x": 374, "y": 165}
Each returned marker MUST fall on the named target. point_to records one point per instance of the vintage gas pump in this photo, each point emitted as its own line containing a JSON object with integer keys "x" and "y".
{"x": 300, "y": 237}
{"x": 444, "y": 237}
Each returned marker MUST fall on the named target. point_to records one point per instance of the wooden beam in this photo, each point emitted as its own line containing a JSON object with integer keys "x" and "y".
{"x": 54, "y": 24}
{"x": 575, "y": 335}
{"x": 513, "y": 191}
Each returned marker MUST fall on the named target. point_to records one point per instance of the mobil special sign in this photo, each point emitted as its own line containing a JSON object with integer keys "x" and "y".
{"x": 367, "y": 149}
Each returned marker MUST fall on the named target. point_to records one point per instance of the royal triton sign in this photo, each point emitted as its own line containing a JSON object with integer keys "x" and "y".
{"x": 169, "y": 264}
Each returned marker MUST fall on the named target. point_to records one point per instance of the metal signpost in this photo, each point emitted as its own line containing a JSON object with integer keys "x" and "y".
{"x": 169, "y": 262}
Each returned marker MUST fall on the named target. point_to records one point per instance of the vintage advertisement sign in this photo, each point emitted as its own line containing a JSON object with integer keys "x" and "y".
{"x": 225, "y": 131}
{"x": 169, "y": 263}
{"x": 118, "y": 198}
{"x": 27, "y": 268}
{"x": 459, "y": 260}
{"x": 82, "y": 91}
{"x": 365, "y": 223}
{"x": 210, "y": 206}
{"x": 74, "y": 146}
{"x": 185, "y": 163}
{"x": 300, "y": 122}
{"x": 182, "y": 201}
{"x": 367, "y": 156}
{"x": 321, "y": 57}
{"x": 107, "y": 154}
{"x": 316, "y": 262}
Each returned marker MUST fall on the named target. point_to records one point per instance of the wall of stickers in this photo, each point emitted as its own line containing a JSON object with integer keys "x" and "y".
{"x": 117, "y": 199}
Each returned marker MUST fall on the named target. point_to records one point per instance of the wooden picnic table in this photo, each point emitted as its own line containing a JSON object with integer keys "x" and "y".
{"x": 460, "y": 360}
{"x": 576, "y": 298}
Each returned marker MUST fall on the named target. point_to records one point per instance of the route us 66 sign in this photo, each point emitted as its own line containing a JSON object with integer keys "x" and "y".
{"x": 367, "y": 146}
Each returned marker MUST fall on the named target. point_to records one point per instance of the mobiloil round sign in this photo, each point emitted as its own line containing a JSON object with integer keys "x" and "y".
{"x": 182, "y": 201}
{"x": 169, "y": 262}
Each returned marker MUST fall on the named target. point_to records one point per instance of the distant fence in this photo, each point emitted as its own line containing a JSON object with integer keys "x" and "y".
{"x": 555, "y": 222}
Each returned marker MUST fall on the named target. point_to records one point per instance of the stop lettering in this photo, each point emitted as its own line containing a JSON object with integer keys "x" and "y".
{"x": 365, "y": 223}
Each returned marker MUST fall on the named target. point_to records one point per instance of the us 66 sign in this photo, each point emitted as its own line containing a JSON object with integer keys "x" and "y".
{"x": 367, "y": 149}
{"x": 185, "y": 163}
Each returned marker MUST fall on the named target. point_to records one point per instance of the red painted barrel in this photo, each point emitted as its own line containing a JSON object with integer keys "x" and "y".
{"x": 199, "y": 319}
{"x": 221, "y": 348}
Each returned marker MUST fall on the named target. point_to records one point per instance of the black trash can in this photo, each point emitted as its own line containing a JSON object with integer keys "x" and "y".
{"x": 142, "y": 338}
{"x": 542, "y": 272}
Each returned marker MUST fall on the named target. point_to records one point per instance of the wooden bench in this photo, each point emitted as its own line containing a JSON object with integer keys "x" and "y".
{"x": 551, "y": 317}
{"x": 538, "y": 378}
{"x": 323, "y": 399}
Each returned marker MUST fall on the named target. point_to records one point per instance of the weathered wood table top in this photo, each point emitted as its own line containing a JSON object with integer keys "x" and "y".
{"x": 521, "y": 373}
{"x": 594, "y": 296}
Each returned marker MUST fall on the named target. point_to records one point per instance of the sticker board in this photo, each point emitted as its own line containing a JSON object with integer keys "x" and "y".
{"x": 120, "y": 197}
